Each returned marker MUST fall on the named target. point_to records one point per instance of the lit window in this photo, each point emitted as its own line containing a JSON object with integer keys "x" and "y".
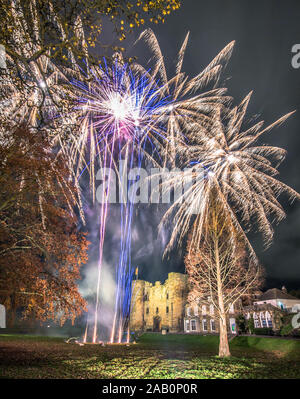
{"x": 263, "y": 319}
{"x": 256, "y": 320}
{"x": 187, "y": 325}
{"x": 269, "y": 320}
{"x": 193, "y": 325}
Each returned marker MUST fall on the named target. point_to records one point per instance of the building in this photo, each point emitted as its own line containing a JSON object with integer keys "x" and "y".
{"x": 159, "y": 306}
{"x": 279, "y": 299}
{"x": 202, "y": 319}
{"x": 264, "y": 315}
{"x": 269, "y": 309}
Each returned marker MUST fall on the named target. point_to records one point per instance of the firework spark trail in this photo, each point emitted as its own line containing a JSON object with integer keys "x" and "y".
{"x": 124, "y": 271}
{"x": 103, "y": 218}
{"x": 237, "y": 171}
{"x": 85, "y": 332}
{"x": 39, "y": 87}
{"x": 121, "y": 268}
{"x": 128, "y": 130}
{"x": 138, "y": 109}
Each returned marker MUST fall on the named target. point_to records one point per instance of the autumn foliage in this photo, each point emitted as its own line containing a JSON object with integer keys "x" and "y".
{"x": 41, "y": 249}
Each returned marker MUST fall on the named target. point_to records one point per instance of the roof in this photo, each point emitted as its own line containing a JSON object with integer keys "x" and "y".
{"x": 275, "y": 293}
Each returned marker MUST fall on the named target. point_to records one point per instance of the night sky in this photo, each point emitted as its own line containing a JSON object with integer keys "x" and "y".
{"x": 265, "y": 32}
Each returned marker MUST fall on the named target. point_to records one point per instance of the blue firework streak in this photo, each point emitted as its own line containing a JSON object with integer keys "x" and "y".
{"x": 122, "y": 115}
{"x": 116, "y": 103}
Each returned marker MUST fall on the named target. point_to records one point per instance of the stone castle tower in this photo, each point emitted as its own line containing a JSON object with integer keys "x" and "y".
{"x": 159, "y": 306}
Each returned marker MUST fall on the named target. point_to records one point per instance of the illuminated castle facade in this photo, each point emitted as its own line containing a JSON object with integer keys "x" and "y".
{"x": 159, "y": 306}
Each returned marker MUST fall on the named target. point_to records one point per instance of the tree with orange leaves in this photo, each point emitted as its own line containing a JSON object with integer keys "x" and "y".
{"x": 41, "y": 250}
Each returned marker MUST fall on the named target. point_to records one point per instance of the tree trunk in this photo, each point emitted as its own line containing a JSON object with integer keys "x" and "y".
{"x": 223, "y": 346}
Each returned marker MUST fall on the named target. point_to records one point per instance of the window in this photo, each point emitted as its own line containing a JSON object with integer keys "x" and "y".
{"x": 256, "y": 320}
{"x": 167, "y": 309}
{"x": 147, "y": 311}
{"x": 156, "y": 310}
{"x": 193, "y": 325}
{"x": 203, "y": 309}
{"x": 263, "y": 319}
{"x": 269, "y": 320}
{"x": 196, "y": 310}
{"x": 204, "y": 325}
{"x": 212, "y": 325}
{"x": 167, "y": 296}
{"x": 231, "y": 309}
{"x": 188, "y": 311}
{"x": 146, "y": 297}
{"x": 211, "y": 309}
{"x": 187, "y": 325}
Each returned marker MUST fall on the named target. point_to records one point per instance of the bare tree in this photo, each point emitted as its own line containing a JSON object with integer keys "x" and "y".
{"x": 219, "y": 270}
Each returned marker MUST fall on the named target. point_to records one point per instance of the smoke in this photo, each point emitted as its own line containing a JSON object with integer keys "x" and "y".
{"x": 88, "y": 289}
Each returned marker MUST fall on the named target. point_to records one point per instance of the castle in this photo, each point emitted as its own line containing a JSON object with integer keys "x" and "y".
{"x": 159, "y": 306}
{"x": 163, "y": 307}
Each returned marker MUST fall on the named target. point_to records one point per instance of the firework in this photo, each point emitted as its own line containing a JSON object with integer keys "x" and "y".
{"x": 134, "y": 105}
{"x": 237, "y": 170}
{"x": 120, "y": 119}
{"x": 191, "y": 99}
{"x": 128, "y": 113}
{"x": 36, "y": 89}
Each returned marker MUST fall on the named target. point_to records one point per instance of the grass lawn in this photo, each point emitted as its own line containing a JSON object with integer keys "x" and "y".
{"x": 154, "y": 356}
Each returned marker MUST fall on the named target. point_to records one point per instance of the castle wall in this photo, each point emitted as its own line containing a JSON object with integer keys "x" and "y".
{"x": 159, "y": 306}
{"x": 137, "y": 305}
